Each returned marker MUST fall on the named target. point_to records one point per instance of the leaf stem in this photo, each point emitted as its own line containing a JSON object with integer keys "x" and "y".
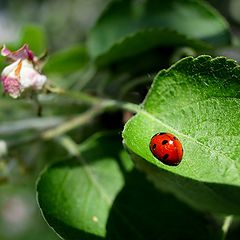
{"x": 79, "y": 96}
{"x": 92, "y": 100}
{"x": 85, "y": 118}
{"x": 71, "y": 147}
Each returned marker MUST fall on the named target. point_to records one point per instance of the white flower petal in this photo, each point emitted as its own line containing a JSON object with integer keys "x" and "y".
{"x": 21, "y": 75}
{"x": 10, "y": 69}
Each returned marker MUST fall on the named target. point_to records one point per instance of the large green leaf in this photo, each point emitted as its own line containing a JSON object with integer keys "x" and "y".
{"x": 99, "y": 196}
{"x": 76, "y": 195}
{"x": 198, "y": 101}
{"x": 128, "y": 27}
{"x": 144, "y": 40}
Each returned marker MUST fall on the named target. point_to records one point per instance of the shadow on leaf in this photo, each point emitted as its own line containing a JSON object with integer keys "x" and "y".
{"x": 141, "y": 212}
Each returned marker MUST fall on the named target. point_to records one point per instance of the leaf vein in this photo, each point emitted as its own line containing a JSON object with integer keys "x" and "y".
{"x": 220, "y": 153}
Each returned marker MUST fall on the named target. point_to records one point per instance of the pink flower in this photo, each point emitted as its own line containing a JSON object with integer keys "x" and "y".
{"x": 22, "y": 74}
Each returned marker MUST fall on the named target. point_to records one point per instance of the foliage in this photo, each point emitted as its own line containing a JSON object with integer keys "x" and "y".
{"x": 96, "y": 176}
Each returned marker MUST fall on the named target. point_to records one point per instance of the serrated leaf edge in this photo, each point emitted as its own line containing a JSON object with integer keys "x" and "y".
{"x": 141, "y": 110}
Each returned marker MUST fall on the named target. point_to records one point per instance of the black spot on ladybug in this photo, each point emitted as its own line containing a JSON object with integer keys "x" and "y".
{"x": 154, "y": 146}
{"x": 164, "y": 142}
{"x": 162, "y": 133}
{"x": 175, "y": 138}
{"x": 165, "y": 157}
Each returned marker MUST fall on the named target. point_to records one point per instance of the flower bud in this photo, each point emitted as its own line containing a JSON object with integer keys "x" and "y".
{"x": 22, "y": 74}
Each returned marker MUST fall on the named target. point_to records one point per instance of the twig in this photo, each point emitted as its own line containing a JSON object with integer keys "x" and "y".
{"x": 70, "y": 124}
{"x": 69, "y": 145}
{"x": 92, "y": 100}
{"x": 99, "y": 105}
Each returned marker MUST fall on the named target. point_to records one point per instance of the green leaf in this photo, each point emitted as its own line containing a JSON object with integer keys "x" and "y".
{"x": 132, "y": 44}
{"x": 99, "y": 196}
{"x": 68, "y": 60}
{"x": 35, "y": 37}
{"x": 197, "y": 100}
{"x": 125, "y": 22}
{"x": 76, "y": 195}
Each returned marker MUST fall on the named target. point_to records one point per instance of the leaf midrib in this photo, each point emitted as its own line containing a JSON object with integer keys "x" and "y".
{"x": 220, "y": 153}
{"x": 93, "y": 180}
{"x": 105, "y": 195}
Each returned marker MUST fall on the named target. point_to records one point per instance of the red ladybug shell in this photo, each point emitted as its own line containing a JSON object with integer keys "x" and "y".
{"x": 166, "y": 148}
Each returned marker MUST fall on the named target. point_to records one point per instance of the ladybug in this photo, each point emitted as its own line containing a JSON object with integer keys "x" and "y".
{"x": 166, "y": 148}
